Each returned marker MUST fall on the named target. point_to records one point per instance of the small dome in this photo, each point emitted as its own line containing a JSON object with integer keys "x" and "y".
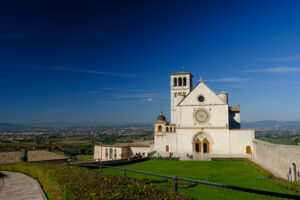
{"x": 161, "y": 117}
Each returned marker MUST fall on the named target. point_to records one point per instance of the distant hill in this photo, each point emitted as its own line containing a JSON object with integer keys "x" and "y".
{"x": 14, "y": 127}
{"x": 258, "y": 125}
{"x": 273, "y": 125}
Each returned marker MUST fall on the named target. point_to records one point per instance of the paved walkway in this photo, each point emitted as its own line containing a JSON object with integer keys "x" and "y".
{"x": 18, "y": 186}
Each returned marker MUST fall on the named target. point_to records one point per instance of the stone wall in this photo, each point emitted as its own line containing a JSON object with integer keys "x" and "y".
{"x": 138, "y": 150}
{"x": 281, "y": 160}
{"x": 33, "y": 156}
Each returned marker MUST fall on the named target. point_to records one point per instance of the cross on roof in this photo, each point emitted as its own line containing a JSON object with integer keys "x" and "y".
{"x": 181, "y": 68}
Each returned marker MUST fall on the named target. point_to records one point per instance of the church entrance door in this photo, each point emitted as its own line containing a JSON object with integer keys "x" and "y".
{"x": 198, "y": 146}
{"x": 205, "y": 146}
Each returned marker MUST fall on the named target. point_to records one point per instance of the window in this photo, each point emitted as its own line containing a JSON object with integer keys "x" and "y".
{"x": 167, "y": 148}
{"x": 179, "y": 81}
{"x": 248, "y": 150}
{"x": 175, "y": 81}
{"x": 159, "y": 128}
{"x": 201, "y": 98}
{"x": 184, "y": 81}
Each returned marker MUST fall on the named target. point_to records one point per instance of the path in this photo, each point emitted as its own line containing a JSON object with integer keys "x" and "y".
{"x": 18, "y": 186}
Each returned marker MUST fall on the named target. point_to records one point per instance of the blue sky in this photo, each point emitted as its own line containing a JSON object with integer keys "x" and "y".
{"x": 108, "y": 62}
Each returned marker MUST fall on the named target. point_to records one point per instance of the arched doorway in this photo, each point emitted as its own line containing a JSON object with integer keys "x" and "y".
{"x": 248, "y": 150}
{"x": 167, "y": 148}
{"x": 198, "y": 146}
{"x": 205, "y": 146}
{"x": 110, "y": 153}
{"x": 115, "y": 154}
{"x": 294, "y": 172}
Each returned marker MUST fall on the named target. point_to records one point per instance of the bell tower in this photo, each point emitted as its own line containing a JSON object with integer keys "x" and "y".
{"x": 181, "y": 85}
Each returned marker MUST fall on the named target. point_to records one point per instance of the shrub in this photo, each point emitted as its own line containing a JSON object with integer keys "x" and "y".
{"x": 68, "y": 182}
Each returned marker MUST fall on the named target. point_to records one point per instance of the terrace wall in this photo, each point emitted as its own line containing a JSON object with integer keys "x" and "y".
{"x": 278, "y": 158}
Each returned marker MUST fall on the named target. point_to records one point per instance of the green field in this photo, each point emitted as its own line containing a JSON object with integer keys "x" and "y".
{"x": 84, "y": 158}
{"x": 237, "y": 173}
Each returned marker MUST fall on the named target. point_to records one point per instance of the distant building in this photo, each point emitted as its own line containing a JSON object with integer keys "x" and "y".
{"x": 202, "y": 124}
{"x": 119, "y": 151}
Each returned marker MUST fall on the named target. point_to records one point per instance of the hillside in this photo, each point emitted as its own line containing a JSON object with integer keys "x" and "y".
{"x": 65, "y": 182}
{"x": 272, "y": 125}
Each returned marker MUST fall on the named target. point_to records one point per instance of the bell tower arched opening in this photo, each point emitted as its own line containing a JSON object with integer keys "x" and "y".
{"x": 179, "y": 81}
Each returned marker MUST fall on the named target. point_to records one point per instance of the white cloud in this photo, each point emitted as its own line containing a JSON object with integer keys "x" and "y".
{"x": 121, "y": 89}
{"x": 228, "y": 79}
{"x": 142, "y": 95}
{"x": 89, "y": 71}
{"x": 149, "y": 99}
{"x": 282, "y": 69}
{"x": 295, "y": 58}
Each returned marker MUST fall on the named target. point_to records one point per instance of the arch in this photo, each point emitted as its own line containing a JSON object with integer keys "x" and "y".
{"x": 184, "y": 81}
{"x": 198, "y": 146}
{"x": 167, "y": 129}
{"x": 202, "y": 135}
{"x": 167, "y": 148}
{"x": 174, "y": 129}
{"x": 115, "y": 153}
{"x": 159, "y": 128}
{"x": 110, "y": 153}
{"x": 179, "y": 81}
{"x": 294, "y": 172}
{"x": 248, "y": 150}
{"x": 106, "y": 153}
{"x": 175, "y": 82}
{"x": 206, "y": 147}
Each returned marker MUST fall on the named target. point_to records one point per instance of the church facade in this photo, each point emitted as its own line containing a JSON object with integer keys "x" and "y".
{"x": 202, "y": 124}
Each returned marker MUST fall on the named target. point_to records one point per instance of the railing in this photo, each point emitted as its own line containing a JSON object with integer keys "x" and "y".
{"x": 175, "y": 186}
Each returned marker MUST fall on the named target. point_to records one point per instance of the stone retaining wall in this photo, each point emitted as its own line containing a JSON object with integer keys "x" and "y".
{"x": 281, "y": 160}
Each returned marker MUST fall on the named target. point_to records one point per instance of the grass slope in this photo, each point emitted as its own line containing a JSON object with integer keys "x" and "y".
{"x": 66, "y": 182}
{"x": 238, "y": 173}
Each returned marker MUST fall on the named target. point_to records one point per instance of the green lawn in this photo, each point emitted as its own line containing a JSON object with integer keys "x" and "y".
{"x": 237, "y": 173}
{"x": 84, "y": 157}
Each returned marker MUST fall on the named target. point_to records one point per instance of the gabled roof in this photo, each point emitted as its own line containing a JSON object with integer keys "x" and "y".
{"x": 202, "y": 89}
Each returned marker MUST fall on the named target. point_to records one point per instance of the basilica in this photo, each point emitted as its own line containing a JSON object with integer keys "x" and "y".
{"x": 202, "y": 124}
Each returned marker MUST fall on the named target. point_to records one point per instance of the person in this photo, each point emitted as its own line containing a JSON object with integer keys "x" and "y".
{"x": 288, "y": 176}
